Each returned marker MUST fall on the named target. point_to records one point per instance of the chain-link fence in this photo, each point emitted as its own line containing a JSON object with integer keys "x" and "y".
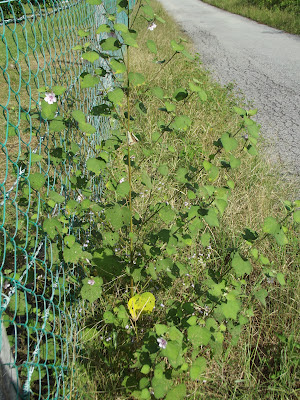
{"x": 39, "y": 311}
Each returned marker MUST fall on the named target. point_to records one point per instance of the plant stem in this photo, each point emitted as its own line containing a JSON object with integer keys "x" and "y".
{"x": 129, "y": 160}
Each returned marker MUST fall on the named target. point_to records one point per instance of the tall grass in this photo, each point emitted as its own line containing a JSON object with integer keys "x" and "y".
{"x": 280, "y": 17}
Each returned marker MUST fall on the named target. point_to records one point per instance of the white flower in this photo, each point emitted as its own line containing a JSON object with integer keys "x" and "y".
{"x": 122, "y": 180}
{"x": 50, "y": 98}
{"x": 80, "y": 198}
{"x": 162, "y": 343}
{"x": 91, "y": 282}
{"x": 152, "y": 26}
{"x": 162, "y": 305}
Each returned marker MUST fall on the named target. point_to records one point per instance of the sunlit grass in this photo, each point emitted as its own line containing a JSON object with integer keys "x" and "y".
{"x": 287, "y": 20}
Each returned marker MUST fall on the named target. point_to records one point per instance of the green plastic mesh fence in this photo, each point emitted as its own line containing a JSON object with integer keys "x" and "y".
{"x": 39, "y": 309}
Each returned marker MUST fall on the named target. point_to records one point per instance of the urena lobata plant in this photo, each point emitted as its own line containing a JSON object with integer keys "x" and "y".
{"x": 140, "y": 241}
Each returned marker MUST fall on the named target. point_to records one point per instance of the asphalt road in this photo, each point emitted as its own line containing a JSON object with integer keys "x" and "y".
{"x": 263, "y": 62}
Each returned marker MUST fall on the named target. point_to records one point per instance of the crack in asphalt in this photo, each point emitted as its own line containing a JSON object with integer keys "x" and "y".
{"x": 263, "y": 63}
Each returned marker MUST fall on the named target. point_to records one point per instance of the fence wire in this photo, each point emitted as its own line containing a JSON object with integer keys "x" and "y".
{"x": 39, "y": 311}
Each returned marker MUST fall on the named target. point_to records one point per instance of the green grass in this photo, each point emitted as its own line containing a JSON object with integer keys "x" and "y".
{"x": 263, "y": 364}
{"x": 287, "y": 19}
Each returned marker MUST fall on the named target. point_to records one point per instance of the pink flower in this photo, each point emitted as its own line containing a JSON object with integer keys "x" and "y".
{"x": 162, "y": 343}
{"x": 50, "y": 98}
{"x": 152, "y": 26}
{"x": 91, "y": 282}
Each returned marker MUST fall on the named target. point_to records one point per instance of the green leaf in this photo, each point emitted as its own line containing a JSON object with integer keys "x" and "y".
{"x": 192, "y": 321}
{"x": 261, "y": 296}
{"x": 78, "y": 115}
{"x": 141, "y": 107}
{"x": 181, "y": 175}
{"x": 107, "y": 264}
{"x": 188, "y": 55}
{"x": 177, "y": 393}
{"x": 136, "y": 79}
{"x": 163, "y": 169}
{"x": 109, "y": 317}
{"x": 148, "y": 10}
{"x": 240, "y": 266}
{"x": 146, "y": 180}
{"x": 160, "y": 329}
{"x": 94, "y": 2}
{"x": 240, "y": 111}
{"x": 121, "y": 27}
{"x": 118, "y": 67}
{"x": 205, "y": 239}
{"x": 167, "y": 214}
{"x": 77, "y": 47}
{"x": 170, "y": 107}
{"x": 35, "y": 157}
{"x": 91, "y": 56}
{"x": 100, "y": 71}
{"x": 52, "y": 227}
{"x": 152, "y": 46}
{"x": 83, "y": 33}
{"x": 158, "y": 92}
{"x": 182, "y": 122}
{"x": 280, "y": 278}
{"x": 95, "y": 165}
{"x": 57, "y": 198}
{"x": 123, "y": 189}
{"x": 231, "y": 308}
{"x": 89, "y": 81}
{"x": 116, "y": 96}
{"x": 176, "y": 46}
{"x": 175, "y": 334}
{"x": 103, "y": 28}
{"x": 145, "y": 369}
{"x": 58, "y": 90}
{"x": 74, "y": 254}
{"x": 69, "y": 240}
{"x": 198, "y": 368}
{"x": 91, "y": 292}
{"x": 87, "y": 128}
{"x": 296, "y": 216}
{"x": 173, "y": 352}
{"x": 253, "y": 130}
{"x": 180, "y": 94}
{"x": 56, "y": 125}
{"x": 160, "y": 386}
{"x": 228, "y": 142}
{"x": 114, "y": 216}
{"x": 198, "y": 336}
{"x": 160, "y": 19}
{"x": 272, "y": 227}
{"x": 213, "y": 173}
{"x": 211, "y": 218}
{"x": 110, "y": 44}
{"x": 234, "y": 162}
{"x": 37, "y": 180}
{"x": 48, "y": 110}
{"x": 252, "y": 150}
{"x": 110, "y": 238}
{"x": 129, "y": 39}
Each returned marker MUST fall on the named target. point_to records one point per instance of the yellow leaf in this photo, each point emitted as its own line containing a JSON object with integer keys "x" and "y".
{"x": 140, "y": 304}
